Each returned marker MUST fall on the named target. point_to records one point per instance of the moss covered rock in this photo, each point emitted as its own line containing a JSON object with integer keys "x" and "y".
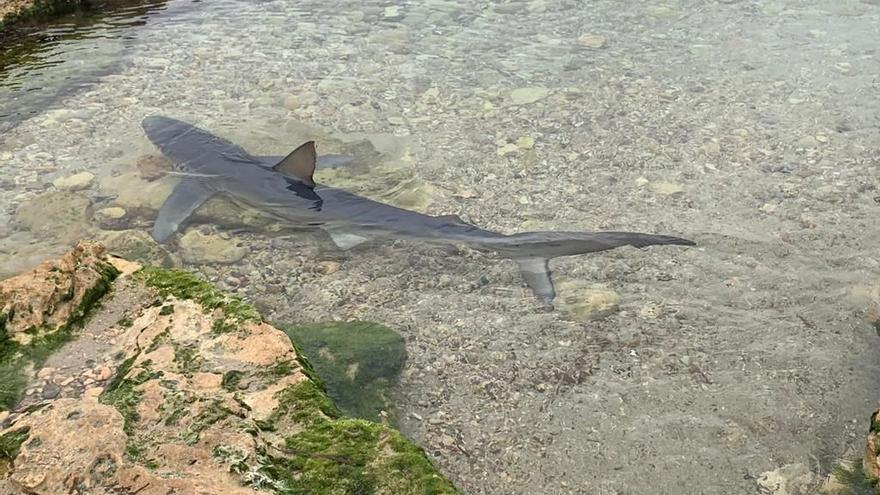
{"x": 357, "y": 361}
{"x": 39, "y": 311}
{"x": 208, "y": 398}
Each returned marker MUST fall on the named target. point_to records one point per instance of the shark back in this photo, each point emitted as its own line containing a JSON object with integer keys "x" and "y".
{"x": 192, "y": 150}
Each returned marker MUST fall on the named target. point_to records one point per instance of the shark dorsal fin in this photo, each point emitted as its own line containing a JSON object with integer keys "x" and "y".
{"x": 300, "y": 163}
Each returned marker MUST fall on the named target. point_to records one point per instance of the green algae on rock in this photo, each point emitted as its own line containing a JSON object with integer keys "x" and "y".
{"x": 357, "y": 361}
{"x": 328, "y": 453}
{"x": 242, "y": 397}
{"x": 853, "y": 478}
{"x": 185, "y": 285}
{"x": 10, "y": 443}
{"x": 40, "y": 310}
{"x": 121, "y": 393}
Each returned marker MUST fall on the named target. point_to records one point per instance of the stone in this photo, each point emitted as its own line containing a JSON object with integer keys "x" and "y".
{"x": 132, "y": 192}
{"x": 584, "y": 301}
{"x": 45, "y": 373}
{"x": 104, "y": 373}
{"x": 507, "y": 149}
{"x": 660, "y": 11}
{"x": 524, "y": 96}
{"x": 262, "y": 345}
{"x": 134, "y": 245}
{"x": 75, "y": 182}
{"x": 199, "y": 248}
{"x": 109, "y": 214}
{"x": 50, "y": 391}
{"x": 592, "y": 40}
{"x": 93, "y": 392}
{"x": 525, "y": 142}
{"x": 650, "y": 311}
{"x": 666, "y": 188}
{"x": 327, "y": 267}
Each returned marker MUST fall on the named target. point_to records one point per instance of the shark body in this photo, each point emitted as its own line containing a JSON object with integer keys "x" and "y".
{"x": 283, "y": 188}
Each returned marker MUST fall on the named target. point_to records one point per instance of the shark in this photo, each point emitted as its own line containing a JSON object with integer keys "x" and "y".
{"x": 283, "y": 187}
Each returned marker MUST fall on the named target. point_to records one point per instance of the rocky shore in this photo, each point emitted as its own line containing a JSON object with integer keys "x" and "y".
{"x": 119, "y": 378}
{"x": 12, "y": 11}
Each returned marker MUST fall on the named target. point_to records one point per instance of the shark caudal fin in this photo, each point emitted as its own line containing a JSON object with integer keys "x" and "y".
{"x": 533, "y": 250}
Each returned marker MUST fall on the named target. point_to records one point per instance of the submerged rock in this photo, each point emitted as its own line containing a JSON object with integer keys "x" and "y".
{"x": 592, "y": 40}
{"x": 584, "y": 301}
{"x": 196, "y": 247}
{"x": 207, "y": 398}
{"x": 75, "y": 182}
{"x": 135, "y": 245}
{"x": 112, "y": 217}
{"x": 524, "y": 96}
{"x": 56, "y": 215}
{"x": 666, "y": 188}
{"x": 134, "y": 193}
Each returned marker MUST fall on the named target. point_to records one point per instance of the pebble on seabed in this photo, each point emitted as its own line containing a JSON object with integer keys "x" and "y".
{"x": 75, "y": 182}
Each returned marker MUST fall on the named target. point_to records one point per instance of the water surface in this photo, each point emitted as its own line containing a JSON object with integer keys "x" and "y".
{"x": 749, "y": 127}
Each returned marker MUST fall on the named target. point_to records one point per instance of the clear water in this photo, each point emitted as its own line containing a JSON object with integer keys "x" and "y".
{"x": 750, "y": 127}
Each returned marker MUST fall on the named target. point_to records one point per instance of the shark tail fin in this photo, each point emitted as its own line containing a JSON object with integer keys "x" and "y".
{"x": 533, "y": 250}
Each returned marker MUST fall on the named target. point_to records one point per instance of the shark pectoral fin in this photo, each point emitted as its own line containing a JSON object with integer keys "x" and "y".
{"x": 188, "y": 195}
{"x": 300, "y": 163}
{"x": 345, "y": 240}
{"x": 536, "y": 272}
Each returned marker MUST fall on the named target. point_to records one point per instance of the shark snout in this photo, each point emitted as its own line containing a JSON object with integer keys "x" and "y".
{"x": 162, "y": 130}
{"x": 155, "y": 123}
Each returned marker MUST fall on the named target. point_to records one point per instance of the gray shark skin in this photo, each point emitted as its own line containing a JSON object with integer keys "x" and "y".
{"x": 210, "y": 165}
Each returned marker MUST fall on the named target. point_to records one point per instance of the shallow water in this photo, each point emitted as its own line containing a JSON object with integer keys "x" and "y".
{"x": 750, "y": 127}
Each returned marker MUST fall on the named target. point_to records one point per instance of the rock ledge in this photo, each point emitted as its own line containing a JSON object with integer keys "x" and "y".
{"x": 206, "y": 399}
